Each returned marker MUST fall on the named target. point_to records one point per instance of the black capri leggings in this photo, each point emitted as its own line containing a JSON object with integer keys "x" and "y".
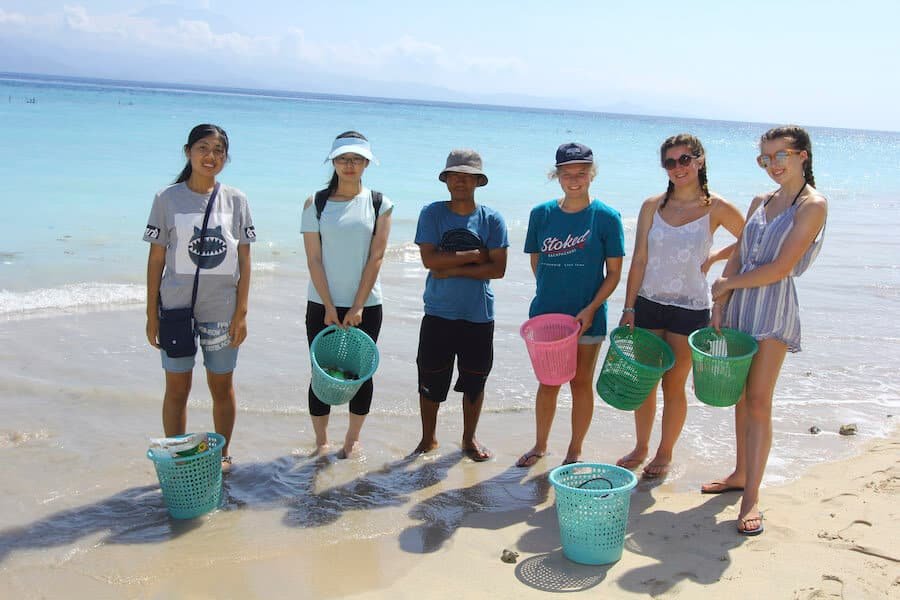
{"x": 371, "y": 324}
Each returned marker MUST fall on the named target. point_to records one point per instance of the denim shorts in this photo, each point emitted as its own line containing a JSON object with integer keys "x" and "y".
{"x": 218, "y": 355}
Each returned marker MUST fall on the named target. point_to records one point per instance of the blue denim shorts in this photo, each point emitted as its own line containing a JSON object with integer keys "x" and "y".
{"x": 588, "y": 340}
{"x": 218, "y": 355}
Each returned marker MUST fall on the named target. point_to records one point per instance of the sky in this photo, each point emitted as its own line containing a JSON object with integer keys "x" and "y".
{"x": 813, "y": 63}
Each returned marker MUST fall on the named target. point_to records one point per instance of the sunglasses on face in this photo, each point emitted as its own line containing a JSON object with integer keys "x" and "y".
{"x": 779, "y": 158}
{"x": 682, "y": 161}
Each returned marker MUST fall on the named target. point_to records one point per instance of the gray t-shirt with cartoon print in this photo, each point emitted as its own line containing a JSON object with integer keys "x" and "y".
{"x": 175, "y": 222}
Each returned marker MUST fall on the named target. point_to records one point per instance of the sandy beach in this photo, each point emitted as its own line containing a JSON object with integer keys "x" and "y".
{"x": 436, "y": 526}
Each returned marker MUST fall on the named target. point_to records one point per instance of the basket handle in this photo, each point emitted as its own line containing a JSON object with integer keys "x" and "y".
{"x": 586, "y": 481}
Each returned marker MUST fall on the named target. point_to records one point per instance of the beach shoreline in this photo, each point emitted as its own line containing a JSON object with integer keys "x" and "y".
{"x": 439, "y": 522}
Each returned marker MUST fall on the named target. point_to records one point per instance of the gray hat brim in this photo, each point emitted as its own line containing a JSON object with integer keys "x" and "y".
{"x": 482, "y": 178}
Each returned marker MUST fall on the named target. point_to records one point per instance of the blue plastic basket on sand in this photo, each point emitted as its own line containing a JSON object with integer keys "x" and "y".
{"x": 592, "y": 502}
{"x": 349, "y": 350}
{"x": 191, "y": 485}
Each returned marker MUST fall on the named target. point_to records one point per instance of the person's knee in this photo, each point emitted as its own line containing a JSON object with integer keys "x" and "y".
{"x": 757, "y": 407}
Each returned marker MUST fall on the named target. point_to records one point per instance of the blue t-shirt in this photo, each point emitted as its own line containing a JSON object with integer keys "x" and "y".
{"x": 573, "y": 249}
{"x": 460, "y": 297}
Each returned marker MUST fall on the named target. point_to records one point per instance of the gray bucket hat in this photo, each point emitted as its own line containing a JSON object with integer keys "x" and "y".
{"x": 464, "y": 160}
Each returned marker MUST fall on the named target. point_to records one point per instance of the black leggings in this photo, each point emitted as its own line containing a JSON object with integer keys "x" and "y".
{"x": 371, "y": 324}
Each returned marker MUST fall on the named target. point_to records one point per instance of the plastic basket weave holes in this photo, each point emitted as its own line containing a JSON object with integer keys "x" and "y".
{"x": 192, "y": 485}
{"x": 351, "y": 351}
{"x": 592, "y": 503}
{"x": 552, "y": 343}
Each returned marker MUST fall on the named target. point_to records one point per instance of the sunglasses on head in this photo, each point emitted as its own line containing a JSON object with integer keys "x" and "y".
{"x": 682, "y": 161}
{"x": 779, "y": 158}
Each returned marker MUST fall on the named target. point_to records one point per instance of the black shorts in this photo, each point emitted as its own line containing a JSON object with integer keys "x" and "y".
{"x": 442, "y": 340}
{"x": 653, "y": 315}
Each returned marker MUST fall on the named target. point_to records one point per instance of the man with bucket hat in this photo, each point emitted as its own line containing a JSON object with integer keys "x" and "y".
{"x": 463, "y": 245}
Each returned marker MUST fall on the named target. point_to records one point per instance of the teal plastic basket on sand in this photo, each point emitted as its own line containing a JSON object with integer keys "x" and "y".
{"x": 347, "y": 350}
{"x": 635, "y": 361}
{"x": 191, "y": 485}
{"x": 721, "y": 364}
{"x": 592, "y": 502}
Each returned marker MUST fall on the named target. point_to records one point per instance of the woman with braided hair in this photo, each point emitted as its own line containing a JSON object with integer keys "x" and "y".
{"x": 667, "y": 291}
{"x": 756, "y": 295}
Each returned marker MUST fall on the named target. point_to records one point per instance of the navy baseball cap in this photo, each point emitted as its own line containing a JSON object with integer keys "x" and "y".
{"x": 573, "y": 152}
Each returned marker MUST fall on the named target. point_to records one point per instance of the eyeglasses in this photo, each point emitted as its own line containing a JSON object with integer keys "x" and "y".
{"x": 203, "y": 150}
{"x": 682, "y": 161}
{"x": 779, "y": 158}
{"x": 349, "y": 160}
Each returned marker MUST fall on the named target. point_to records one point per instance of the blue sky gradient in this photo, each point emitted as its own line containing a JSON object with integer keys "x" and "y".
{"x": 814, "y": 63}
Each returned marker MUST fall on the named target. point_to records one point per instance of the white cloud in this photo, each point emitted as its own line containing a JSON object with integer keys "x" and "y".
{"x": 123, "y": 35}
{"x": 10, "y": 18}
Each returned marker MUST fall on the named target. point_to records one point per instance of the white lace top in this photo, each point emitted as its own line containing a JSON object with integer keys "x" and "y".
{"x": 674, "y": 257}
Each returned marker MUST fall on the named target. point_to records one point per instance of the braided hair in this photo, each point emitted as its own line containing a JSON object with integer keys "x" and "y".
{"x": 333, "y": 182}
{"x": 799, "y": 140}
{"x": 686, "y": 139}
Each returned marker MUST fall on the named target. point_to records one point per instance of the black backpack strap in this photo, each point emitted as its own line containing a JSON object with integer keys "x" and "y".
{"x": 320, "y": 199}
{"x": 376, "y": 205}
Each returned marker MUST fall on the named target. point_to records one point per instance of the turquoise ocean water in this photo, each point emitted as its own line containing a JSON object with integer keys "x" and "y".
{"x": 80, "y": 165}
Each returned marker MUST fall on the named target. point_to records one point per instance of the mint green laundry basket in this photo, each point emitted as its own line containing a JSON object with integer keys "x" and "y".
{"x": 191, "y": 485}
{"x": 349, "y": 350}
{"x": 592, "y": 503}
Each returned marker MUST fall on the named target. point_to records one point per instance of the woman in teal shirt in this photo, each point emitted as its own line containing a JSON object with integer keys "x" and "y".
{"x": 576, "y": 246}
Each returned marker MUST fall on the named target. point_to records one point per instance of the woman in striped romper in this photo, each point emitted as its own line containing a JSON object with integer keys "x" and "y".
{"x": 756, "y": 295}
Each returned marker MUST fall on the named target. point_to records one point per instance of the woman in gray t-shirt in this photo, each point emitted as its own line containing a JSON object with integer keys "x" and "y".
{"x": 345, "y": 233}
{"x": 221, "y": 257}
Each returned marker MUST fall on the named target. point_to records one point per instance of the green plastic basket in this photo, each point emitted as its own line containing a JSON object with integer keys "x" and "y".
{"x": 349, "y": 350}
{"x": 191, "y": 485}
{"x": 634, "y": 363}
{"x": 721, "y": 363}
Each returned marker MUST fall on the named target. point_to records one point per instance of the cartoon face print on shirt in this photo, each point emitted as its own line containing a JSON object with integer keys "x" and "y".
{"x": 216, "y": 253}
{"x": 210, "y": 251}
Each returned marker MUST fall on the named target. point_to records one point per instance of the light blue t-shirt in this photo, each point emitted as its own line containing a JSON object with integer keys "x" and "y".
{"x": 346, "y": 228}
{"x": 573, "y": 249}
{"x": 460, "y": 297}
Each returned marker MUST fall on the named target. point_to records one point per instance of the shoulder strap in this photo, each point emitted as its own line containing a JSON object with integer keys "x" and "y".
{"x": 320, "y": 200}
{"x": 376, "y": 205}
{"x": 322, "y": 197}
{"x": 209, "y": 205}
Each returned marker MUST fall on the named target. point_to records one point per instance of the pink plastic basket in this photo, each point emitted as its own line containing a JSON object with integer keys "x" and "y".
{"x": 552, "y": 342}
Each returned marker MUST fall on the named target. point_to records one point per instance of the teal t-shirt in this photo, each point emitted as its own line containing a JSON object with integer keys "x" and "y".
{"x": 573, "y": 249}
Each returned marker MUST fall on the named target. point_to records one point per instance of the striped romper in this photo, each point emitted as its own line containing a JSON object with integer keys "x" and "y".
{"x": 769, "y": 311}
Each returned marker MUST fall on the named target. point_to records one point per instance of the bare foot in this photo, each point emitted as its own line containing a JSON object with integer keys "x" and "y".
{"x": 226, "y": 464}
{"x": 732, "y": 483}
{"x": 346, "y": 452}
{"x": 321, "y": 450}
{"x": 424, "y": 447}
{"x": 655, "y": 470}
{"x": 632, "y": 460}
{"x": 531, "y": 457}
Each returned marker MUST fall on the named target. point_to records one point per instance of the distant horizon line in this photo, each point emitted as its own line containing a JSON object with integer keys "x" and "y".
{"x": 275, "y": 93}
